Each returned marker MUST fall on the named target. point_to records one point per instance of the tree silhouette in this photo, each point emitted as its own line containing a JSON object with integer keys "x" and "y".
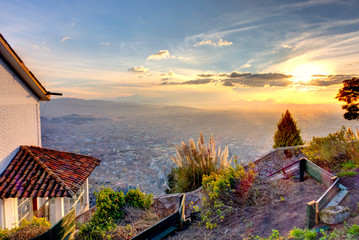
{"x": 287, "y": 133}
{"x": 350, "y": 94}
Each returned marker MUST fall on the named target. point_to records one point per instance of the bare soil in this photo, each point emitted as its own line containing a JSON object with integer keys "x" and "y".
{"x": 282, "y": 214}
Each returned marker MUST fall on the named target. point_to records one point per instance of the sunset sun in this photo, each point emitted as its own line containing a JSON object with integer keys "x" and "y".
{"x": 306, "y": 72}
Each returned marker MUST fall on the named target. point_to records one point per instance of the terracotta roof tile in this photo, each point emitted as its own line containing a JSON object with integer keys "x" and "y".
{"x": 41, "y": 172}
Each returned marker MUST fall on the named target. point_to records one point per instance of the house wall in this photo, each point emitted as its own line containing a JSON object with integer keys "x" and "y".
{"x": 19, "y": 125}
{"x": 19, "y": 115}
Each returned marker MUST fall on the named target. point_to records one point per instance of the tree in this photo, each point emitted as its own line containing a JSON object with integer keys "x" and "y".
{"x": 287, "y": 134}
{"x": 350, "y": 94}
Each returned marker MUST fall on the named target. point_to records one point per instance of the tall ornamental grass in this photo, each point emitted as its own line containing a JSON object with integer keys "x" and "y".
{"x": 195, "y": 160}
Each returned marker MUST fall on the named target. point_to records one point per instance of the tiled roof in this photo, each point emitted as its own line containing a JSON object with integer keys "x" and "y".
{"x": 40, "y": 172}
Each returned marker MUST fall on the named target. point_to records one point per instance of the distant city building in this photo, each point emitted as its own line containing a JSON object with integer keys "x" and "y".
{"x": 33, "y": 181}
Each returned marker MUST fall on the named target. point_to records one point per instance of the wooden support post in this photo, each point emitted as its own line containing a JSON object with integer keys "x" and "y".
{"x": 181, "y": 210}
{"x": 311, "y": 214}
{"x": 334, "y": 178}
{"x": 301, "y": 169}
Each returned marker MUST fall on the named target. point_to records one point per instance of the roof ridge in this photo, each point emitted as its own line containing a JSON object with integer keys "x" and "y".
{"x": 98, "y": 161}
{"x": 48, "y": 170}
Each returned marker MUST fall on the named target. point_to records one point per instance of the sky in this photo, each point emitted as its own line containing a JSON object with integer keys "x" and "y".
{"x": 208, "y": 54}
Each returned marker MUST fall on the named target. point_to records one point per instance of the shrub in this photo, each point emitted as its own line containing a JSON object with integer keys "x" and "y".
{"x": 225, "y": 190}
{"x": 27, "y": 229}
{"x": 193, "y": 161}
{"x": 302, "y": 234}
{"x": 109, "y": 211}
{"x": 231, "y": 181}
{"x": 137, "y": 199}
{"x": 338, "y": 151}
{"x": 287, "y": 133}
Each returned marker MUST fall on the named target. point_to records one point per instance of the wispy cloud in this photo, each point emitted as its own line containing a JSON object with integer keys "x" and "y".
{"x": 65, "y": 38}
{"x": 220, "y": 43}
{"x": 190, "y": 82}
{"x": 162, "y": 54}
{"x": 167, "y": 76}
{"x": 104, "y": 43}
{"x": 243, "y": 80}
{"x": 139, "y": 69}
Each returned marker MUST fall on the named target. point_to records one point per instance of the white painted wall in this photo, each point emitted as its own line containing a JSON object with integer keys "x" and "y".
{"x": 19, "y": 115}
{"x": 19, "y": 125}
{"x": 10, "y": 214}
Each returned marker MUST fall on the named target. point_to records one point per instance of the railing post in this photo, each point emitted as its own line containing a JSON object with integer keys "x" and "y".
{"x": 311, "y": 214}
{"x": 181, "y": 210}
{"x": 301, "y": 169}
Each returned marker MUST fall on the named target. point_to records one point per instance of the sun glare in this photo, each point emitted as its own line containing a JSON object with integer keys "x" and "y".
{"x": 306, "y": 72}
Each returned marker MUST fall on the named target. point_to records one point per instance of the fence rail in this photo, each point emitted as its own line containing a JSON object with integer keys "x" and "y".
{"x": 166, "y": 226}
{"x": 332, "y": 196}
{"x": 63, "y": 229}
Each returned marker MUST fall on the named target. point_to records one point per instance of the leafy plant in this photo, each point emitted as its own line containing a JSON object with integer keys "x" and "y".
{"x": 338, "y": 151}
{"x": 302, "y": 234}
{"x": 28, "y": 229}
{"x": 136, "y": 198}
{"x": 287, "y": 133}
{"x": 193, "y": 161}
{"x": 224, "y": 189}
{"x": 109, "y": 210}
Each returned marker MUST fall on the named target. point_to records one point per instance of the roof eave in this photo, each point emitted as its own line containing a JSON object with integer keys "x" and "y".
{"x": 25, "y": 74}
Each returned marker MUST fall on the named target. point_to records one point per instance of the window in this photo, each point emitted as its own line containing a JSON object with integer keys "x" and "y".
{"x": 24, "y": 208}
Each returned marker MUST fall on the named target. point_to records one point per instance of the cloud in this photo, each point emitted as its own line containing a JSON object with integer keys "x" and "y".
{"x": 35, "y": 46}
{"x": 190, "y": 82}
{"x": 257, "y": 80}
{"x": 328, "y": 80}
{"x": 239, "y": 79}
{"x": 104, "y": 43}
{"x": 162, "y": 54}
{"x": 235, "y": 74}
{"x": 167, "y": 76}
{"x": 220, "y": 43}
{"x": 205, "y": 75}
{"x": 65, "y": 38}
{"x": 170, "y": 73}
{"x": 293, "y": 47}
{"x": 138, "y": 70}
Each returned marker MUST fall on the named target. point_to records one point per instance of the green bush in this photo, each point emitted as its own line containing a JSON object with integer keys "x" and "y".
{"x": 302, "y": 234}
{"x": 338, "y": 151}
{"x": 27, "y": 229}
{"x": 223, "y": 190}
{"x": 233, "y": 180}
{"x": 109, "y": 211}
{"x": 287, "y": 133}
{"x": 193, "y": 161}
{"x": 137, "y": 199}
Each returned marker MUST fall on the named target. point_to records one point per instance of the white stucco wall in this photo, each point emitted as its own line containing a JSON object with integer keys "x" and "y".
{"x": 19, "y": 125}
{"x": 19, "y": 115}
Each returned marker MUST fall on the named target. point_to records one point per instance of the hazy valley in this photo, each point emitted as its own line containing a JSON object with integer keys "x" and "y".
{"x": 135, "y": 141}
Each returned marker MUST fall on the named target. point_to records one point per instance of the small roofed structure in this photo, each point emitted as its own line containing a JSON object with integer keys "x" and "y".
{"x": 40, "y": 172}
